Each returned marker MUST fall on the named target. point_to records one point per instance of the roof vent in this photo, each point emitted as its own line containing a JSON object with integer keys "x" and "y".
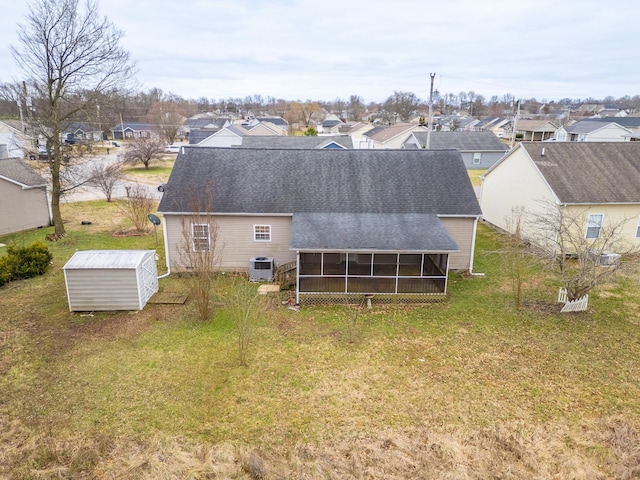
{"x": 542, "y": 153}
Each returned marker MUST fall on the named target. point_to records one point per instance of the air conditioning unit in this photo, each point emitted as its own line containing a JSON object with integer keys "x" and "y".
{"x": 261, "y": 269}
{"x": 608, "y": 258}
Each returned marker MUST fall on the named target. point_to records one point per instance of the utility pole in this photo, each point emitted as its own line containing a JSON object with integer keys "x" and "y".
{"x": 515, "y": 126}
{"x": 430, "y": 124}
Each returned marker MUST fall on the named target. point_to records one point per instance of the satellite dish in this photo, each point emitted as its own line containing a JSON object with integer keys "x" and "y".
{"x": 153, "y": 219}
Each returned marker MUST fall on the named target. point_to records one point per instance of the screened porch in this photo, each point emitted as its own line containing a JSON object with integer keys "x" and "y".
{"x": 372, "y": 273}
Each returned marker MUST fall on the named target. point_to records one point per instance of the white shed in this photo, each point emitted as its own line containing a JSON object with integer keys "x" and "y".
{"x": 110, "y": 279}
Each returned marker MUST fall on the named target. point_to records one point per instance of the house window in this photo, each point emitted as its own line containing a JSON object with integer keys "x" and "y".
{"x": 200, "y": 237}
{"x": 594, "y": 225}
{"x": 262, "y": 233}
{"x": 477, "y": 158}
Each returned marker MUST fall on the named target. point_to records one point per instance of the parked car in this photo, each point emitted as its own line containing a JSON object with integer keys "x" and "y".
{"x": 172, "y": 148}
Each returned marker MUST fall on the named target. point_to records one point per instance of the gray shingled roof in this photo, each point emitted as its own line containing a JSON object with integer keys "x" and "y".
{"x": 16, "y": 170}
{"x": 589, "y": 172}
{"x": 264, "y": 141}
{"x": 391, "y": 232}
{"x": 463, "y": 141}
{"x": 242, "y": 180}
{"x": 586, "y": 126}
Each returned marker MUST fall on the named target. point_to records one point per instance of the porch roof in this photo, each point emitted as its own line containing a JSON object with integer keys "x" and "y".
{"x": 391, "y": 232}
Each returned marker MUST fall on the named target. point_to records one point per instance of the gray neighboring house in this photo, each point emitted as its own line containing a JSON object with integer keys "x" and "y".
{"x": 390, "y": 224}
{"x": 23, "y": 197}
{"x": 478, "y": 149}
{"x": 329, "y": 142}
{"x": 131, "y": 130}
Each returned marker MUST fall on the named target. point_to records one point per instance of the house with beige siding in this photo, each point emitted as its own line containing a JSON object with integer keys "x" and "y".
{"x": 23, "y": 197}
{"x": 352, "y": 222}
{"x": 596, "y": 182}
{"x": 593, "y": 131}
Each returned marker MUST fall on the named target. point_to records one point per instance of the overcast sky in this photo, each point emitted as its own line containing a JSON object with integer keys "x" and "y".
{"x": 325, "y": 49}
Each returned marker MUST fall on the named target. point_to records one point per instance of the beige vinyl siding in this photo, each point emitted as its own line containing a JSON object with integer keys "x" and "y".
{"x": 461, "y": 230}
{"x": 236, "y": 239}
{"x": 22, "y": 209}
{"x": 513, "y": 184}
{"x": 625, "y": 215}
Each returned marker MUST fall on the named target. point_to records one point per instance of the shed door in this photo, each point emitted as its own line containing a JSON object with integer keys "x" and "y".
{"x": 149, "y": 279}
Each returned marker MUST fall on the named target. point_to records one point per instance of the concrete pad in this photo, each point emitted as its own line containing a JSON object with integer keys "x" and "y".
{"x": 268, "y": 288}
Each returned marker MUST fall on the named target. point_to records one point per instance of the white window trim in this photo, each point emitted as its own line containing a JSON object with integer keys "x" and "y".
{"x": 204, "y": 236}
{"x": 589, "y": 225}
{"x": 477, "y": 158}
{"x": 257, "y": 233}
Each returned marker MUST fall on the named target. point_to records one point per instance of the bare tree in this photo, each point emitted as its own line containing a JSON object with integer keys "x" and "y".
{"x": 106, "y": 178}
{"x": 70, "y": 55}
{"x": 200, "y": 252}
{"x": 574, "y": 242}
{"x": 143, "y": 150}
{"x": 137, "y": 206}
{"x": 516, "y": 258}
{"x": 403, "y": 104}
{"x": 244, "y": 305}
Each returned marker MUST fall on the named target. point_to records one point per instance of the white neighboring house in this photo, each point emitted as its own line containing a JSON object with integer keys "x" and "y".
{"x": 23, "y": 197}
{"x": 593, "y": 131}
{"x": 598, "y": 180}
{"x": 10, "y": 145}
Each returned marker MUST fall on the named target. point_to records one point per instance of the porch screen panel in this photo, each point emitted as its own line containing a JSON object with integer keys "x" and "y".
{"x": 310, "y": 263}
{"x": 385, "y": 264}
{"x": 435, "y": 264}
{"x": 359, "y": 263}
{"x": 410, "y": 265}
{"x": 421, "y": 285}
{"x": 371, "y": 285}
{"x": 334, "y": 264}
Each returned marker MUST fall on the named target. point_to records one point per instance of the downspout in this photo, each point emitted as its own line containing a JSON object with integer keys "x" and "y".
{"x": 473, "y": 250}
{"x": 297, "y": 277}
{"x": 166, "y": 252}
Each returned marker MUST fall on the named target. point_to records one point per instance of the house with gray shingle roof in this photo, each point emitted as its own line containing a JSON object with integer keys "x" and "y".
{"x": 593, "y": 131}
{"x": 353, "y": 222}
{"x": 595, "y": 180}
{"x": 131, "y": 130}
{"x": 478, "y": 149}
{"x": 23, "y": 196}
{"x": 303, "y": 142}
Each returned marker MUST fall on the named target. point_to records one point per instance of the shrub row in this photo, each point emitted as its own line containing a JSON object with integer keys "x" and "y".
{"x": 24, "y": 262}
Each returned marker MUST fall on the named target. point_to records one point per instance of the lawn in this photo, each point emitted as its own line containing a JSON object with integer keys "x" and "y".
{"x": 467, "y": 388}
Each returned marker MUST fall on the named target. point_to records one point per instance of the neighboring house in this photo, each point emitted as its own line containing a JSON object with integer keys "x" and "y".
{"x": 131, "y": 130}
{"x": 277, "y": 123}
{"x": 629, "y": 122}
{"x": 599, "y": 180}
{"x": 355, "y": 222}
{"x": 336, "y": 141}
{"x": 23, "y": 197}
{"x": 593, "y": 131}
{"x": 330, "y": 125}
{"x": 82, "y": 131}
{"x": 10, "y": 145}
{"x": 478, "y": 149}
{"x": 535, "y": 130}
{"x": 15, "y": 142}
{"x": 229, "y": 136}
{"x": 387, "y": 137}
